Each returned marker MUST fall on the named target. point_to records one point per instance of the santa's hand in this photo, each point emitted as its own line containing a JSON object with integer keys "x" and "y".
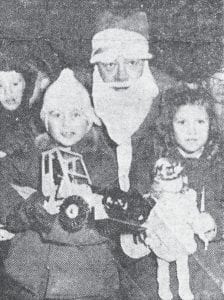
{"x": 52, "y": 206}
{"x": 115, "y": 202}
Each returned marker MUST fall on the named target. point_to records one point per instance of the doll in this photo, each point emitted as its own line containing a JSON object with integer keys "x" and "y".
{"x": 172, "y": 224}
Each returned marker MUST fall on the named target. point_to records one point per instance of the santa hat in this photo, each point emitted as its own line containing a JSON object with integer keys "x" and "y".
{"x": 66, "y": 91}
{"x": 118, "y": 34}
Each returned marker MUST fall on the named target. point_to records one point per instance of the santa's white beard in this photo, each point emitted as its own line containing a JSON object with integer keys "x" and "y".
{"x": 123, "y": 110}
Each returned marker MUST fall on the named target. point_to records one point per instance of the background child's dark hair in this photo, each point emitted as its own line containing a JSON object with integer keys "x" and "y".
{"x": 172, "y": 100}
{"x": 8, "y": 64}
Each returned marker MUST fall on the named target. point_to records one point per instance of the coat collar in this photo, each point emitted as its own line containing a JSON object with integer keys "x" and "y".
{"x": 95, "y": 138}
{"x": 211, "y": 153}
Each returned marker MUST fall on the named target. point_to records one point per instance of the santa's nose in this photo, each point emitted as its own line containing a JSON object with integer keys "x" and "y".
{"x": 122, "y": 74}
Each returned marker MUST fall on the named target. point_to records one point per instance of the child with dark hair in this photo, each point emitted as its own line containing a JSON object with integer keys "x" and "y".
{"x": 189, "y": 131}
{"x": 172, "y": 101}
{"x": 20, "y": 83}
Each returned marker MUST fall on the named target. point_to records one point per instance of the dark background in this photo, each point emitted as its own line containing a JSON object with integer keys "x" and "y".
{"x": 185, "y": 35}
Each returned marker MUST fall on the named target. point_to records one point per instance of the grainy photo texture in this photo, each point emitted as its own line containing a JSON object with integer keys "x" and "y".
{"x": 111, "y": 150}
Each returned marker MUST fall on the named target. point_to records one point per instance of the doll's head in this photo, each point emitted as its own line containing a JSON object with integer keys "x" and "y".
{"x": 188, "y": 120}
{"x": 67, "y": 112}
{"x": 168, "y": 176}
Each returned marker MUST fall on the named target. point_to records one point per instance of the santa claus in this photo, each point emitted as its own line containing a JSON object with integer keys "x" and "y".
{"x": 124, "y": 97}
{"x": 123, "y": 85}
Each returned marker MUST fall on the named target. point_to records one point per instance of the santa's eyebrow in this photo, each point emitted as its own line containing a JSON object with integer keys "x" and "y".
{"x": 54, "y": 111}
{"x": 100, "y": 50}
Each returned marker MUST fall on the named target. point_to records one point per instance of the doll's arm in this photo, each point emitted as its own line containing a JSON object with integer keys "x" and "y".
{"x": 204, "y": 226}
{"x": 192, "y": 211}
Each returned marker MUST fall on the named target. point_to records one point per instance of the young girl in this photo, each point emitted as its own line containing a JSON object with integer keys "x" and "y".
{"x": 188, "y": 127}
{"x": 45, "y": 260}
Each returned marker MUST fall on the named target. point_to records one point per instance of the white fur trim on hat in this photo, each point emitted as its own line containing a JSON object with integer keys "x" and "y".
{"x": 108, "y": 44}
{"x": 67, "y": 90}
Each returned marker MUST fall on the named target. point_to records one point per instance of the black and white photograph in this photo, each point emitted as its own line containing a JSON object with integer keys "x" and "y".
{"x": 111, "y": 150}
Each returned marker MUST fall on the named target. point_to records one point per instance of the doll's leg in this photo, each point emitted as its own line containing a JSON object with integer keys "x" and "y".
{"x": 163, "y": 277}
{"x": 183, "y": 278}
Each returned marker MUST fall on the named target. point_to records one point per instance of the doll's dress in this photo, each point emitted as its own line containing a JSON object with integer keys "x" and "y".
{"x": 170, "y": 226}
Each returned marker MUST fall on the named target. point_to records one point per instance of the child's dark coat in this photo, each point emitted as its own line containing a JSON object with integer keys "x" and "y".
{"x": 99, "y": 154}
{"x": 43, "y": 258}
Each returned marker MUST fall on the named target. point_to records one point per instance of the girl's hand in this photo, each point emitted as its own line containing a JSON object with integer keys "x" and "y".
{"x": 5, "y": 235}
{"x": 2, "y": 154}
{"x": 210, "y": 234}
{"x": 52, "y": 206}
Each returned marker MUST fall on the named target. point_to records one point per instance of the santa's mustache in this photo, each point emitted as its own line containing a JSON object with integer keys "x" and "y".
{"x": 120, "y": 84}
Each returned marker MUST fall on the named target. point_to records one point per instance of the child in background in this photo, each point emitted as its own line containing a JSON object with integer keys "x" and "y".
{"x": 188, "y": 127}
{"x": 19, "y": 82}
{"x": 14, "y": 109}
{"x": 46, "y": 261}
